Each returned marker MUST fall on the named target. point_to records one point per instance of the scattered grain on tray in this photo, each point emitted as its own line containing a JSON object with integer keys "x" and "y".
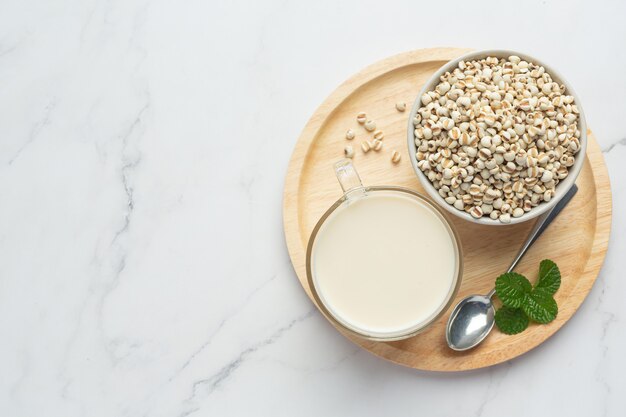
{"x": 395, "y": 157}
{"x": 370, "y": 125}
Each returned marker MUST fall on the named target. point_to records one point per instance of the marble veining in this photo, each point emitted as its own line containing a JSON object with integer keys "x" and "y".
{"x": 221, "y": 324}
{"x": 621, "y": 142}
{"x": 143, "y": 269}
{"x": 35, "y": 130}
{"x": 210, "y": 384}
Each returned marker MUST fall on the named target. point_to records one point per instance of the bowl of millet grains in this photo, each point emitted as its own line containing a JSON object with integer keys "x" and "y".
{"x": 497, "y": 137}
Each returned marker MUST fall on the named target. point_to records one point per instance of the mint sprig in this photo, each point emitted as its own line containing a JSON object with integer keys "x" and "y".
{"x": 512, "y": 288}
{"x": 522, "y": 302}
{"x": 549, "y": 276}
{"x": 540, "y": 306}
{"x": 511, "y": 320}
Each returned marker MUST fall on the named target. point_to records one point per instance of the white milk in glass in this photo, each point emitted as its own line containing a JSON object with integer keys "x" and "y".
{"x": 385, "y": 264}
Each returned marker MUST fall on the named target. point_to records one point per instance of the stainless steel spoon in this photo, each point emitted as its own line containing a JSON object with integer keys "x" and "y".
{"x": 473, "y": 317}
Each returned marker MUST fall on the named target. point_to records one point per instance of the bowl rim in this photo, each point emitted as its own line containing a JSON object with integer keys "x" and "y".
{"x": 561, "y": 188}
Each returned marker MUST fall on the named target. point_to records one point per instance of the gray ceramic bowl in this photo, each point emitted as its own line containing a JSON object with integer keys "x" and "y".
{"x": 561, "y": 188}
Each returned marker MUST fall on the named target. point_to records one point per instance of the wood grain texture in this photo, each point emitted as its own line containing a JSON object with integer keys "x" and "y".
{"x": 577, "y": 240}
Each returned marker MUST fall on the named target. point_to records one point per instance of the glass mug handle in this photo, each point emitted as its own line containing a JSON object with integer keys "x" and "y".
{"x": 347, "y": 176}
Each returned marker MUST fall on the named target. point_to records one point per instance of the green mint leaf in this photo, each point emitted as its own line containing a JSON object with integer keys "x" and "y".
{"x": 549, "y": 276}
{"x": 512, "y": 288}
{"x": 539, "y": 306}
{"x": 511, "y": 320}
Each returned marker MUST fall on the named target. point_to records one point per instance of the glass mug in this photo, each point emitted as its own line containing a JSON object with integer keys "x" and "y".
{"x": 383, "y": 263}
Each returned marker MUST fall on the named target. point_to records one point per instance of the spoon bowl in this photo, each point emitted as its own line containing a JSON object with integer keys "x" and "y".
{"x": 470, "y": 322}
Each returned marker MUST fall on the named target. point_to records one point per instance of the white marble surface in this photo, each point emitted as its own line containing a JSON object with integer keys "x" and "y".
{"x": 143, "y": 270}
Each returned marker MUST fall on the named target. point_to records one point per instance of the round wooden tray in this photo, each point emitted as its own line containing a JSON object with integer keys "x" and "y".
{"x": 576, "y": 241}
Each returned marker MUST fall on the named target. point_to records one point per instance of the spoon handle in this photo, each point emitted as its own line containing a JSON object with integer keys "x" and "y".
{"x": 542, "y": 224}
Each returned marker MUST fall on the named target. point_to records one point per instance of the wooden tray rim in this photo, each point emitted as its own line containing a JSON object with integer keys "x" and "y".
{"x": 324, "y": 111}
